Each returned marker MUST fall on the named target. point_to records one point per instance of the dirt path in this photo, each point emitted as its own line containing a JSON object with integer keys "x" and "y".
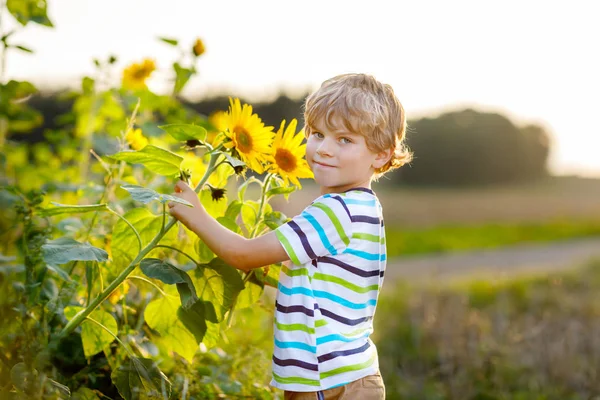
{"x": 495, "y": 263}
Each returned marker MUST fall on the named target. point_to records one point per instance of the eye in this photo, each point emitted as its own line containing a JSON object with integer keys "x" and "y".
{"x": 345, "y": 140}
{"x": 319, "y": 135}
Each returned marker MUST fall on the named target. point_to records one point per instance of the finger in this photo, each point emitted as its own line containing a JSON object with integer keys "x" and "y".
{"x": 181, "y": 186}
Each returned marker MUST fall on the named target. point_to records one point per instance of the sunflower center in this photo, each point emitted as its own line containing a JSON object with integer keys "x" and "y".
{"x": 140, "y": 74}
{"x": 243, "y": 138}
{"x": 285, "y": 160}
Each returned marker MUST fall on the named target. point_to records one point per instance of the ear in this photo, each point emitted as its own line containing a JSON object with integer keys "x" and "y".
{"x": 382, "y": 158}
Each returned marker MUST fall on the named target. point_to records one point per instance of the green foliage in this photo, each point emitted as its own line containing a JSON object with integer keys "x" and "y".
{"x": 146, "y": 195}
{"x": 524, "y": 338}
{"x": 26, "y": 11}
{"x": 470, "y": 147}
{"x": 63, "y": 250}
{"x": 442, "y": 239}
{"x": 154, "y": 158}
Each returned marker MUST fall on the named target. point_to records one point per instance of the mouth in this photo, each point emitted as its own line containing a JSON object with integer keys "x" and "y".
{"x": 323, "y": 164}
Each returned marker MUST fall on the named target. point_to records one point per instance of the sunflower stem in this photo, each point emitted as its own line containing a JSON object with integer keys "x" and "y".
{"x": 83, "y": 314}
{"x": 265, "y": 188}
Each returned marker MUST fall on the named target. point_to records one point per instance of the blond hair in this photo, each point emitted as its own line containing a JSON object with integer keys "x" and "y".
{"x": 366, "y": 106}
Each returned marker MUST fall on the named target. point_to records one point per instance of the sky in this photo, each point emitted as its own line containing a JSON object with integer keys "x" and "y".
{"x": 533, "y": 61}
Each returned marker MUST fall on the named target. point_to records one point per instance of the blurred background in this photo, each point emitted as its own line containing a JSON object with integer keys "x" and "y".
{"x": 492, "y": 230}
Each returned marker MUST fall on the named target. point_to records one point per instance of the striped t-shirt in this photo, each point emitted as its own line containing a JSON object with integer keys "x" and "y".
{"x": 326, "y": 300}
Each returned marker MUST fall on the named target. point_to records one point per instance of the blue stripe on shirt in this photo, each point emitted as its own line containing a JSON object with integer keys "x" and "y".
{"x": 320, "y": 231}
{"x": 342, "y": 301}
{"x": 365, "y": 255}
{"x": 296, "y": 345}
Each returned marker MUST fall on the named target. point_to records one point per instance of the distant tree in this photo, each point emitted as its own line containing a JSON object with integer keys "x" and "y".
{"x": 470, "y": 147}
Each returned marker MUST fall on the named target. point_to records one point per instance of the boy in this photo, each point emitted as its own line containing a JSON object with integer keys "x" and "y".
{"x": 327, "y": 294}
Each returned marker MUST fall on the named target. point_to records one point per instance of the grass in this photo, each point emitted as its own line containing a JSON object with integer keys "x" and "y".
{"x": 536, "y": 337}
{"x": 443, "y": 239}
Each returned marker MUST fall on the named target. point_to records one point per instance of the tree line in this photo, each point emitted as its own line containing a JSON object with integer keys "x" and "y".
{"x": 463, "y": 147}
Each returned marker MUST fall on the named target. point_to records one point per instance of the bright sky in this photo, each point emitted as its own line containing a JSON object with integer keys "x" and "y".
{"x": 534, "y": 61}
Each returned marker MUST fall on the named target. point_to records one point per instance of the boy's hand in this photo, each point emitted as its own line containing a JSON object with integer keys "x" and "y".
{"x": 182, "y": 212}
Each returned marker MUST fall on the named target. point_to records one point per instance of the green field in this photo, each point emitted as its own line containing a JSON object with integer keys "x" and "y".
{"x": 526, "y": 338}
{"x": 443, "y": 239}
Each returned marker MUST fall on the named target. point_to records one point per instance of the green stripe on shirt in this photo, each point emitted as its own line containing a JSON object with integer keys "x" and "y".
{"x": 369, "y": 237}
{"x": 348, "y": 368}
{"x": 336, "y": 222}
{"x": 288, "y": 248}
{"x": 294, "y": 327}
{"x": 344, "y": 283}
{"x": 296, "y": 379}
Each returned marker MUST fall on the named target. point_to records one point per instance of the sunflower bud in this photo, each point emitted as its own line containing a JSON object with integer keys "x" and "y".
{"x": 185, "y": 175}
{"x": 239, "y": 170}
{"x": 193, "y": 143}
{"x": 198, "y": 48}
{"x": 217, "y": 193}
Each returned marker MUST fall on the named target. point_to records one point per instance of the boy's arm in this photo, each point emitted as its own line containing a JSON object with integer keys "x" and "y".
{"x": 234, "y": 249}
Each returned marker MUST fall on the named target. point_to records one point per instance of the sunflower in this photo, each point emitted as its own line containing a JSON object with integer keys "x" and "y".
{"x": 287, "y": 156}
{"x": 134, "y": 76}
{"x": 198, "y": 48}
{"x": 136, "y": 139}
{"x": 247, "y": 135}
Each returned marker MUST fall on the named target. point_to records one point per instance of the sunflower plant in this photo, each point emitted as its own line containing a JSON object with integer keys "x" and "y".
{"x": 97, "y": 262}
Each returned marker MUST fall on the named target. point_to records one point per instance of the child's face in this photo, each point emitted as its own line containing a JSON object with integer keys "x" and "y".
{"x": 340, "y": 160}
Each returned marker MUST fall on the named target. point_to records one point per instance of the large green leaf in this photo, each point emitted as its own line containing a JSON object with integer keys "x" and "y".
{"x": 218, "y": 283}
{"x": 154, "y": 158}
{"x": 195, "y": 317}
{"x": 185, "y": 132}
{"x": 29, "y": 11}
{"x": 140, "y": 378}
{"x": 281, "y": 190}
{"x": 146, "y": 195}
{"x": 161, "y": 315}
{"x": 124, "y": 245}
{"x": 171, "y": 275}
{"x": 94, "y": 337}
{"x": 71, "y": 209}
{"x": 250, "y": 295}
{"x": 64, "y": 249}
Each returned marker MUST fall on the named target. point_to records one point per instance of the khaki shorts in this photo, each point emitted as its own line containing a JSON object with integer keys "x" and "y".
{"x": 368, "y": 388}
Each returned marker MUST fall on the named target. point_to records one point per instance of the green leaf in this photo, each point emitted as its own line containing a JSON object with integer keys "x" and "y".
{"x": 182, "y": 76}
{"x": 244, "y": 186}
{"x": 140, "y": 378}
{"x": 161, "y": 315}
{"x": 21, "y": 376}
{"x": 272, "y": 277}
{"x": 233, "y": 210}
{"x": 22, "y": 48}
{"x": 250, "y": 295}
{"x": 250, "y": 214}
{"x": 229, "y": 224}
{"x": 71, "y": 209}
{"x": 275, "y": 219}
{"x": 234, "y": 162}
{"x": 154, "y": 158}
{"x": 94, "y": 337}
{"x": 171, "y": 275}
{"x": 63, "y": 250}
{"x": 204, "y": 253}
{"x": 185, "y": 132}
{"x": 194, "y": 318}
{"x": 124, "y": 244}
{"x": 172, "y": 42}
{"x": 146, "y": 195}
{"x": 281, "y": 190}
{"x": 29, "y": 11}
{"x": 218, "y": 283}
{"x": 85, "y": 394}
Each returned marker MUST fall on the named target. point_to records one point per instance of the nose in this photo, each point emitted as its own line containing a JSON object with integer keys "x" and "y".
{"x": 324, "y": 149}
